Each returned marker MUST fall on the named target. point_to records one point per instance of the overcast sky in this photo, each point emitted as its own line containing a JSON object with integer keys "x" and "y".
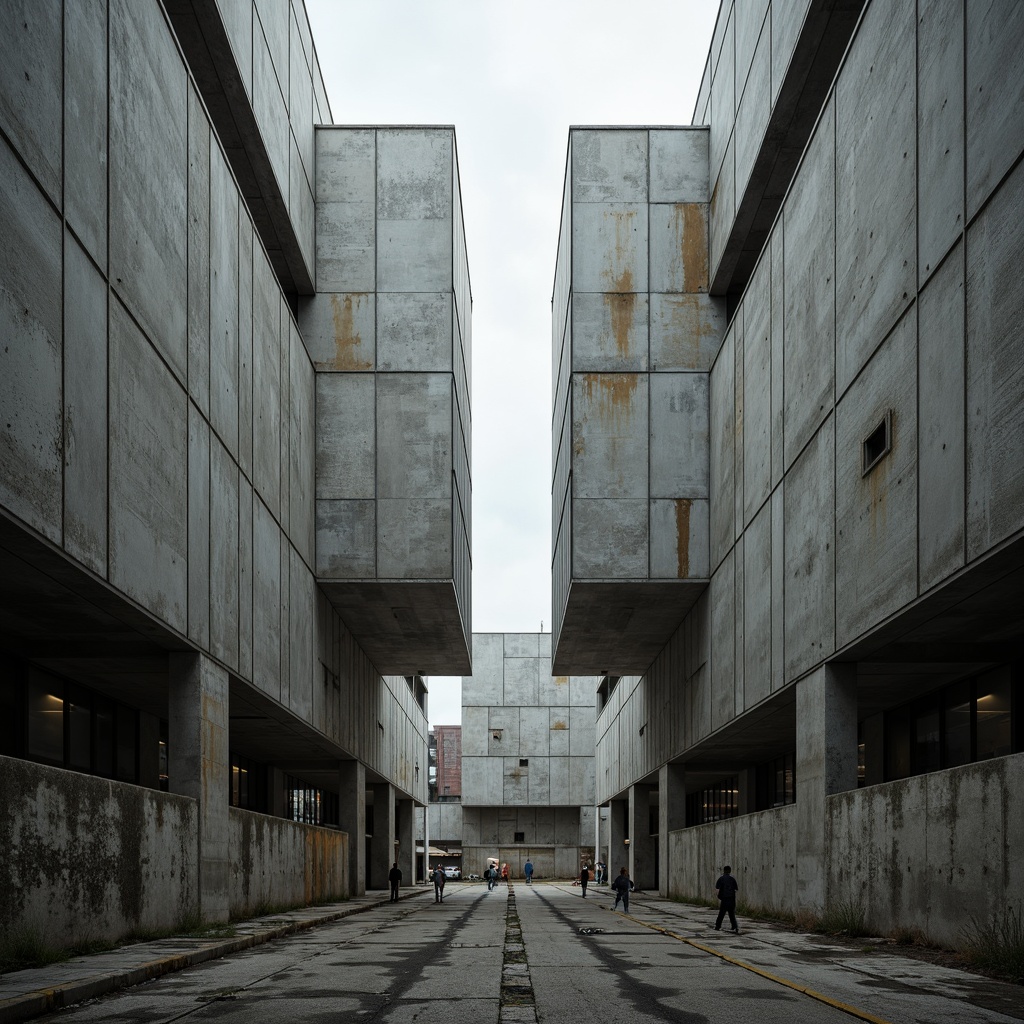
{"x": 511, "y": 78}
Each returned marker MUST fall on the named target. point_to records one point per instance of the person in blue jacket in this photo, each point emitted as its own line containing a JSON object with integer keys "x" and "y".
{"x": 726, "y": 889}
{"x": 528, "y": 871}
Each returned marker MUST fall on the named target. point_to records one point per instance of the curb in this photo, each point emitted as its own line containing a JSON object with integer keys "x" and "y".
{"x": 46, "y": 1000}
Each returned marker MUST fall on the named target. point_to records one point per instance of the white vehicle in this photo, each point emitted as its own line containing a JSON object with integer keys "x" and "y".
{"x": 452, "y": 872}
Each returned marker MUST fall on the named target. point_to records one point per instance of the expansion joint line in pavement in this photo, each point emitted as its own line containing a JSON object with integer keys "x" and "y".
{"x": 517, "y": 1004}
{"x": 795, "y": 986}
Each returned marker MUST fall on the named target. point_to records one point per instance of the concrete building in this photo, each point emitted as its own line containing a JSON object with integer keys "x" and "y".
{"x": 234, "y": 469}
{"x": 527, "y": 759}
{"x": 802, "y": 312}
{"x": 447, "y": 747}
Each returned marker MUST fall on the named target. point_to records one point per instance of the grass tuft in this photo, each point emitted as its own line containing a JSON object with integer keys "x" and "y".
{"x": 845, "y": 917}
{"x": 25, "y": 947}
{"x": 997, "y": 945}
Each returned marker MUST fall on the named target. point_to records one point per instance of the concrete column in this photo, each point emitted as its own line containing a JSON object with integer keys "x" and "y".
{"x": 642, "y": 845}
{"x": 352, "y": 819}
{"x": 405, "y": 813}
{"x": 671, "y": 817}
{"x": 618, "y": 852}
{"x": 826, "y": 763}
{"x": 149, "y": 750}
{"x": 199, "y": 767}
{"x": 382, "y": 845}
{"x": 426, "y": 842}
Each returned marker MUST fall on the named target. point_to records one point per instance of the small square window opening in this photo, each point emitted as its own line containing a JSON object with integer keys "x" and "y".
{"x": 877, "y": 444}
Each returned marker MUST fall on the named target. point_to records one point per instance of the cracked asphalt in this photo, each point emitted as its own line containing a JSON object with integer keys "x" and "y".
{"x": 521, "y": 956}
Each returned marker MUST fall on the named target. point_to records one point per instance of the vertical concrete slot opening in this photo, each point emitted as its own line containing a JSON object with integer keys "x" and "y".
{"x": 877, "y": 444}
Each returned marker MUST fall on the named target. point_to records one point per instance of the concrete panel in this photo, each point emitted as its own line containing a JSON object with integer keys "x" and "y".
{"x": 346, "y": 166}
{"x": 722, "y": 473}
{"x": 283, "y": 510}
{"x": 610, "y": 436}
{"x": 300, "y": 649}
{"x": 941, "y": 422}
{"x": 339, "y": 330}
{"x": 148, "y": 475}
{"x": 198, "y": 528}
{"x": 198, "y": 255}
{"x": 503, "y": 727}
{"x": 223, "y": 301}
{"x": 757, "y": 608}
{"x": 268, "y": 101}
{"x": 266, "y": 601}
{"x": 522, "y": 645}
{"x": 245, "y": 576}
{"x": 786, "y": 21}
{"x": 609, "y": 332}
{"x": 558, "y": 731}
{"x": 521, "y": 684}
{"x": 679, "y": 418}
{"x": 224, "y": 541}
{"x": 723, "y": 643}
{"x": 876, "y": 185}
{"x": 582, "y": 741}
{"x": 609, "y": 166}
{"x": 559, "y": 771}
{"x": 148, "y": 174}
{"x": 581, "y": 782}
{"x": 995, "y": 95}
{"x": 301, "y": 469}
{"x": 778, "y": 664}
{"x": 679, "y": 165}
{"x": 346, "y": 532}
{"x": 245, "y": 350}
{"x": 940, "y": 131}
{"x": 753, "y": 108}
{"x": 610, "y": 539}
{"x": 346, "y": 237}
{"x": 474, "y": 731}
{"x": 739, "y": 662}
{"x": 778, "y": 338}
{"x": 414, "y": 331}
{"x": 266, "y": 383}
{"x": 995, "y": 370}
{"x": 414, "y": 435}
{"x": 555, "y": 691}
{"x": 722, "y": 212}
{"x": 680, "y": 542}
{"x": 757, "y": 396}
{"x": 30, "y": 358}
{"x": 686, "y": 331}
{"x": 345, "y": 436}
{"x": 609, "y": 247}
{"x": 237, "y": 20}
{"x": 31, "y": 89}
{"x": 273, "y": 20}
{"x": 414, "y": 538}
{"x": 809, "y": 288}
{"x": 538, "y": 784}
{"x": 723, "y": 94}
{"x": 85, "y": 409}
{"x": 85, "y": 121}
{"x": 583, "y": 692}
{"x": 534, "y": 735}
{"x": 678, "y": 247}
{"x": 738, "y": 341}
{"x": 484, "y": 687}
{"x": 809, "y": 535}
{"x": 300, "y": 94}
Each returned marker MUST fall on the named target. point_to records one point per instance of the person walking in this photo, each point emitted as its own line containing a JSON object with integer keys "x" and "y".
{"x": 504, "y": 873}
{"x": 489, "y": 877}
{"x": 395, "y": 878}
{"x": 622, "y": 885}
{"x": 584, "y": 878}
{"x": 528, "y": 871}
{"x": 597, "y": 872}
{"x": 726, "y": 889}
{"x": 438, "y": 879}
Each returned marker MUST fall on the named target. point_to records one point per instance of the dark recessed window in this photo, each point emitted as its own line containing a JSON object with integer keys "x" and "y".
{"x": 520, "y": 837}
{"x": 877, "y": 444}
{"x": 524, "y": 762}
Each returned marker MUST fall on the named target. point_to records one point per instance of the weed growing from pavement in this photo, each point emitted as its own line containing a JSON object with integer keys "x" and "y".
{"x": 845, "y": 917}
{"x": 25, "y": 947}
{"x": 997, "y": 945}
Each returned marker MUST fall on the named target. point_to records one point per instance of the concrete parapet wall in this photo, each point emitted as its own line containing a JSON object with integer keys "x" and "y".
{"x": 83, "y": 858}
{"x": 760, "y": 848}
{"x": 276, "y": 863}
{"x": 930, "y": 852}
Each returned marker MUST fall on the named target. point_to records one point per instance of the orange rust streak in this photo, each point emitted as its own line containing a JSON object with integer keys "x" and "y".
{"x": 347, "y": 341}
{"x": 620, "y": 307}
{"x": 683, "y": 537}
{"x": 693, "y": 247}
{"x": 613, "y": 401}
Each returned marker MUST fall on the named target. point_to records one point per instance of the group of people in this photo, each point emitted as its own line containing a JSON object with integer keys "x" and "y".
{"x": 492, "y": 874}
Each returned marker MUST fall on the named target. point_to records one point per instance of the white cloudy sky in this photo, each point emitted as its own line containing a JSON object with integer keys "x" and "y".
{"x": 511, "y": 77}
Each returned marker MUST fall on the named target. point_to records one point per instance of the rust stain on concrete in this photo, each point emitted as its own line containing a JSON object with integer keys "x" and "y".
{"x": 620, "y": 308}
{"x": 693, "y": 246}
{"x": 610, "y": 395}
{"x": 683, "y": 537}
{"x": 348, "y": 341}
{"x": 619, "y": 272}
{"x": 561, "y": 680}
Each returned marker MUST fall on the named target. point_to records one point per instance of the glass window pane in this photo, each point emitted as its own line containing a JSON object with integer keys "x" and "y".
{"x": 127, "y": 733}
{"x": 958, "y": 726}
{"x": 927, "y": 755}
{"x": 994, "y": 714}
{"x": 897, "y": 746}
{"x": 104, "y": 722}
{"x": 46, "y": 718}
{"x": 79, "y": 722}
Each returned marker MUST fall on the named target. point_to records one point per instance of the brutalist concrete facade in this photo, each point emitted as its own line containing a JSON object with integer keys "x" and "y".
{"x": 866, "y": 489}
{"x": 527, "y": 759}
{"x": 160, "y": 464}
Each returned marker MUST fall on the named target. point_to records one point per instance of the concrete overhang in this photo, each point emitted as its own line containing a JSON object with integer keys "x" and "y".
{"x": 406, "y": 627}
{"x": 619, "y": 627}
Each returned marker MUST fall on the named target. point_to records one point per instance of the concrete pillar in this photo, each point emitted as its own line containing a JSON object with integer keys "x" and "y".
{"x": 352, "y": 819}
{"x": 405, "y": 813}
{"x": 874, "y": 750}
{"x": 149, "y": 750}
{"x": 426, "y": 842}
{"x": 671, "y": 817}
{"x": 826, "y": 763}
{"x": 382, "y": 845}
{"x": 642, "y": 845}
{"x": 618, "y": 852}
{"x": 199, "y": 767}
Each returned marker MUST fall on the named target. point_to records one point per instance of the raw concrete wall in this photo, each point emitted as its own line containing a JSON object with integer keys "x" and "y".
{"x": 88, "y": 859}
{"x": 933, "y": 852}
{"x": 278, "y": 863}
{"x": 760, "y": 848}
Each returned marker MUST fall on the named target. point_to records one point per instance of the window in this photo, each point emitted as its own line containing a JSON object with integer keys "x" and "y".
{"x": 877, "y": 444}
{"x": 524, "y": 762}
{"x": 715, "y": 803}
{"x": 520, "y": 837}
{"x": 993, "y": 711}
{"x": 46, "y": 719}
{"x": 776, "y": 782}
{"x": 248, "y": 784}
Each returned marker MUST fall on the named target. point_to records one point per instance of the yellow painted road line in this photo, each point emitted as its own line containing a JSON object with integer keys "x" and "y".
{"x": 795, "y": 986}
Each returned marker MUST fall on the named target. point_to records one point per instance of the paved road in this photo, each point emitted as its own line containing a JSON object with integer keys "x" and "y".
{"x": 519, "y": 956}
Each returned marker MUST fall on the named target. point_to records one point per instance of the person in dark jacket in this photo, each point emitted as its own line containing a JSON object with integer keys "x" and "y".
{"x": 622, "y": 885}
{"x": 584, "y": 878}
{"x": 726, "y": 889}
{"x": 438, "y": 879}
{"x": 395, "y": 878}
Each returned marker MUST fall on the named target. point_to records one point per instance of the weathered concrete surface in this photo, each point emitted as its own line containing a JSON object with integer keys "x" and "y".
{"x": 91, "y": 859}
{"x": 275, "y": 863}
